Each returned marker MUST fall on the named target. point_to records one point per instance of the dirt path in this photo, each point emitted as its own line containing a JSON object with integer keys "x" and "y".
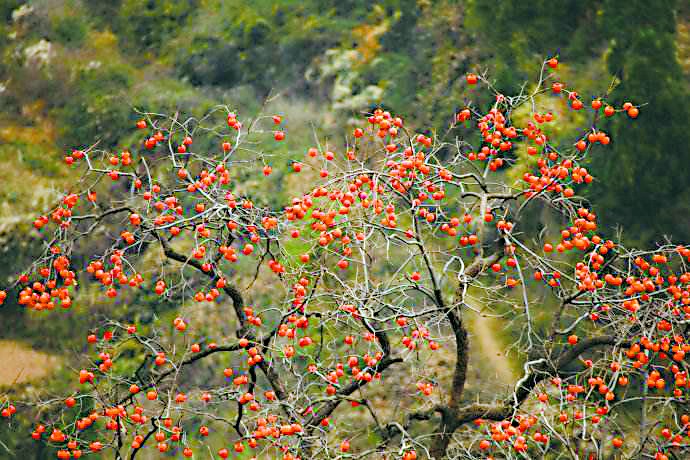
{"x": 483, "y": 330}
{"x": 19, "y": 363}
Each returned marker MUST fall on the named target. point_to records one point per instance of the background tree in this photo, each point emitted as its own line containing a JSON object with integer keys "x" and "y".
{"x": 645, "y": 60}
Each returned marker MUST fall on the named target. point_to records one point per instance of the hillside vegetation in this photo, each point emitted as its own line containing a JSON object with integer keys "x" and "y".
{"x": 79, "y": 73}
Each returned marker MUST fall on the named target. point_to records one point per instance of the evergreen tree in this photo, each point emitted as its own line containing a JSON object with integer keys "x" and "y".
{"x": 639, "y": 183}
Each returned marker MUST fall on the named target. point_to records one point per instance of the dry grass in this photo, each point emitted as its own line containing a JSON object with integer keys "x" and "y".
{"x": 495, "y": 362}
{"x": 20, "y": 364}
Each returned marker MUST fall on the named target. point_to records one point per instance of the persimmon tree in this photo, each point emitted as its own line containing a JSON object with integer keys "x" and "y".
{"x": 389, "y": 243}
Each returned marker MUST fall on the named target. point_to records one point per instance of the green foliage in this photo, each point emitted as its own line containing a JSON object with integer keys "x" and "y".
{"x": 32, "y": 157}
{"x": 96, "y": 109}
{"x": 395, "y": 73}
{"x": 70, "y": 30}
{"x": 262, "y": 43}
{"x": 523, "y": 33}
{"x": 639, "y": 182}
{"x": 147, "y": 25}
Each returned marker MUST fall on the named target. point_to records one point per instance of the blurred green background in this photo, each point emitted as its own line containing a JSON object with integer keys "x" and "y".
{"x": 72, "y": 72}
